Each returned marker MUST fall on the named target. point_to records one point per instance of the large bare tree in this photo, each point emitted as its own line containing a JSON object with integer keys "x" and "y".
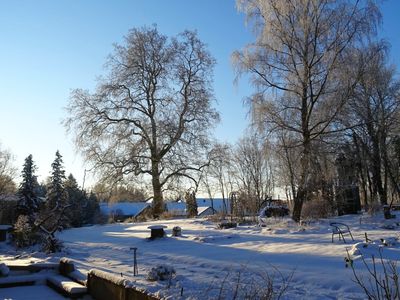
{"x": 150, "y": 115}
{"x": 294, "y": 65}
{"x": 374, "y": 108}
{"x": 7, "y": 172}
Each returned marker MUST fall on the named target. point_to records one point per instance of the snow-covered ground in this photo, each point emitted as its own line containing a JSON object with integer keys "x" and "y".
{"x": 206, "y": 258}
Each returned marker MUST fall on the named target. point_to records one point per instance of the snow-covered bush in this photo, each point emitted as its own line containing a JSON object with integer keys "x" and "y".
{"x": 379, "y": 285}
{"x": 23, "y": 234}
{"x": 161, "y": 272}
{"x": 4, "y": 270}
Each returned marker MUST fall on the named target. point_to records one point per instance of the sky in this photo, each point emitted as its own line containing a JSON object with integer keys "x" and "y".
{"x": 48, "y": 48}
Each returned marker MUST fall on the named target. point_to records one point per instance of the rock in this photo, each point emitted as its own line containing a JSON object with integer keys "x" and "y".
{"x": 4, "y": 270}
{"x": 176, "y": 231}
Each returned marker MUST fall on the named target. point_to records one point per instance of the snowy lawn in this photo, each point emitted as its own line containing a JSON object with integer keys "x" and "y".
{"x": 35, "y": 292}
{"x": 206, "y": 258}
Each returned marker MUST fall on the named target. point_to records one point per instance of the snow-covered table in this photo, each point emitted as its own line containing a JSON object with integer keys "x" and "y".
{"x": 157, "y": 231}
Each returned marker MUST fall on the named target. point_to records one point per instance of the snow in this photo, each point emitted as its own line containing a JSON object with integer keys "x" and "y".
{"x": 204, "y": 211}
{"x": 118, "y": 280}
{"x": 37, "y": 278}
{"x": 36, "y": 292}
{"x": 66, "y": 284}
{"x": 208, "y": 261}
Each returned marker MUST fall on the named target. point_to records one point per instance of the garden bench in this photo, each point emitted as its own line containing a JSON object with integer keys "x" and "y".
{"x": 340, "y": 229}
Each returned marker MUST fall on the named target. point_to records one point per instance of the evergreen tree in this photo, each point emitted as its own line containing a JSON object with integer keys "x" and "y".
{"x": 191, "y": 204}
{"x": 28, "y": 203}
{"x": 92, "y": 209}
{"x": 77, "y": 199}
{"x": 56, "y": 195}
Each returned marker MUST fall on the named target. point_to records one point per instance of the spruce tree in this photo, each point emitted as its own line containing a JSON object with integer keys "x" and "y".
{"x": 77, "y": 199}
{"x": 92, "y": 209}
{"x": 56, "y": 195}
{"x": 28, "y": 203}
{"x": 191, "y": 204}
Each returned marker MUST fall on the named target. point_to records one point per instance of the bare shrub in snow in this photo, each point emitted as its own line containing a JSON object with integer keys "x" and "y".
{"x": 249, "y": 284}
{"x": 374, "y": 208}
{"x": 166, "y": 215}
{"x": 161, "y": 272}
{"x": 378, "y": 285}
{"x": 316, "y": 209}
{"x": 216, "y": 217}
{"x": 141, "y": 218}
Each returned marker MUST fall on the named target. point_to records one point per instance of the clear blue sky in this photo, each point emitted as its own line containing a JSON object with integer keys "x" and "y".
{"x": 49, "y": 47}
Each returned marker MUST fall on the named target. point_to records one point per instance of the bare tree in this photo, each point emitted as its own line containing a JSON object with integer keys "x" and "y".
{"x": 7, "y": 172}
{"x": 253, "y": 167}
{"x": 374, "y": 108}
{"x": 218, "y": 174}
{"x": 152, "y": 111}
{"x": 295, "y": 63}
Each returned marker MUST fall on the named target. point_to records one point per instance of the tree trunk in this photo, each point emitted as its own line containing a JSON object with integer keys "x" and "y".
{"x": 298, "y": 205}
{"x": 302, "y": 190}
{"x": 377, "y": 179}
{"x": 158, "y": 202}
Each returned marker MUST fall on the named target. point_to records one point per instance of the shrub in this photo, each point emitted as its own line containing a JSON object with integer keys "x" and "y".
{"x": 216, "y": 218}
{"x": 141, "y": 218}
{"x": 50, "y": 244}
{"x": 316, "y": 209}
{"x": 100, "y": 218}
{"x": 250, "y": 284}
{"x": 167, "y": 215}
{"x": 374, "y": 208}
{"x": 23, "y": 234}
{"x": 161, "y": 272}
{"x": 378, "y": 286}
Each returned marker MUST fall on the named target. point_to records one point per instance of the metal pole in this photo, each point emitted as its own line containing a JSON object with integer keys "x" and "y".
{"x": 135, "y": 268}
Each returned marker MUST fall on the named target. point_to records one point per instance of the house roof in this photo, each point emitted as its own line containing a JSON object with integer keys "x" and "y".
{"x": 126, "y": 208}
{"x": 203, "y": 209}
{"x": 217, "y": 204}
{"x": 135, "y": 208}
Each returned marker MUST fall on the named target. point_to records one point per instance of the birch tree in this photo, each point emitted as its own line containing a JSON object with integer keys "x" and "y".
{"x": 294, "y": 66}
{"x": 374, "y": 108}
